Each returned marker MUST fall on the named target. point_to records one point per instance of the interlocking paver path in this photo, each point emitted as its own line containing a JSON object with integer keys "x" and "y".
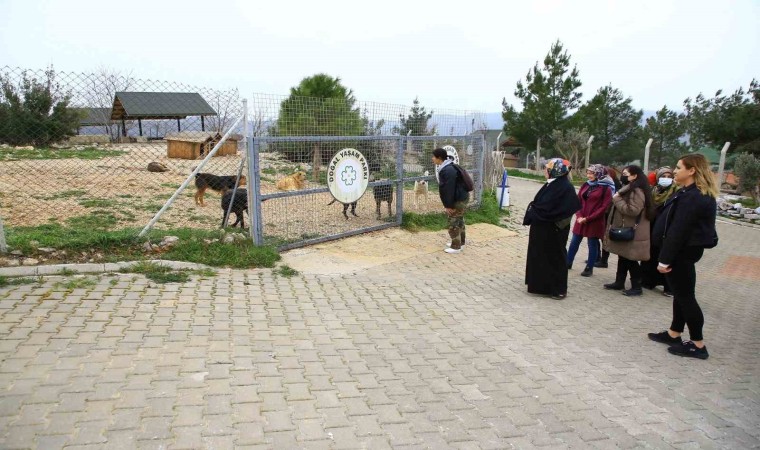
{"x": 434, "y": 351}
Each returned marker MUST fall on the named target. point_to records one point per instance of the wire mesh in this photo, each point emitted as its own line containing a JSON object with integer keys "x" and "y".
{"x": 106, "y": 150}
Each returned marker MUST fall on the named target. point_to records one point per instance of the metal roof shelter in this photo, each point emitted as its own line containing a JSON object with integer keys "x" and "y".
{"x": 159, "y": 105}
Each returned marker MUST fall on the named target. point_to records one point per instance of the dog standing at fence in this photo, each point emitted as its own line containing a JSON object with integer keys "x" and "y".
{"x": 239, "y": 205}
{"x": 219, "y": 183}
{"x": 421, "y": 191}
{"x": 383, "y": 193}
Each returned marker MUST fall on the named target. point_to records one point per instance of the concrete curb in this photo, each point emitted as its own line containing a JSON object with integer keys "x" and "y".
{"x": 56, "y": 269}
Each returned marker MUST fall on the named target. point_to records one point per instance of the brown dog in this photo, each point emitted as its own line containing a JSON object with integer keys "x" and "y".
{"x": 219, "y": 183}
{"x": 292, "y": 182}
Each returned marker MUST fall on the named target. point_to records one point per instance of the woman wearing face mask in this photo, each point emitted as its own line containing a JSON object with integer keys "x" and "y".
{"x": 631, "y": 207}
{"x": 664, "y": 189}
{"x": 595, "y": 196}
{"x": 684, "y": 229}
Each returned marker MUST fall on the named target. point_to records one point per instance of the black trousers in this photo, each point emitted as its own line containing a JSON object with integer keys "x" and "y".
{"x": 683, "y": 281}
{"x": 626, "y": 266}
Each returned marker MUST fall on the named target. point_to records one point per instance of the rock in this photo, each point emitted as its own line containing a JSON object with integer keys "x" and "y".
{"x": 27, "y": 147}
{"x": 757, "y": 210}
{"x": 747, "y": 211}
{"x": 170, "y": 239}
{"x": 147, "y": 246}
{"x": 17, "y": 253}
{"x": 156, "y": 167}
{"x": 229, "y": 239}
{"x": 30, "y": 262}
{"x": 738, "y": 206}
{"x": 752, "y": 216}
{"x": 34, "y": 243}
{"x": 46, "y": 250}
{"x": 725, "y": 206}
{"x": 13, "y": 263}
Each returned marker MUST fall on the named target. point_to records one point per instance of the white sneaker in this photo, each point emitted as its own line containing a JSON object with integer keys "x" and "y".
{"x": 449, "y": 245}
{"x": 452, "y": 250}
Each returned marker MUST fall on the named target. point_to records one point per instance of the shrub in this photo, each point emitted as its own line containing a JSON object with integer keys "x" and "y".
{"x": 747, "y": 168}
{"x": 35, "y": 112}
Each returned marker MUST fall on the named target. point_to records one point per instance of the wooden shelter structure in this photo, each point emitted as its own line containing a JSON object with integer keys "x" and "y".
{"x": 157, "y": 106}
{"x": 197, "y": 144}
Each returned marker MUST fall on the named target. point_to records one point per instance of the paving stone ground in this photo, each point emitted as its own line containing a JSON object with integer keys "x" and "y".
{"x": 434, "y": 351}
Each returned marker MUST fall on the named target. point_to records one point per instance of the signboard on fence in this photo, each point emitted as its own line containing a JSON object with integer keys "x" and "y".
{"x": 348, "y": 175}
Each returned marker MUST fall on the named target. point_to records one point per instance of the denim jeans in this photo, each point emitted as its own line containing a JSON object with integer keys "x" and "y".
{"x": 593, "y": 249}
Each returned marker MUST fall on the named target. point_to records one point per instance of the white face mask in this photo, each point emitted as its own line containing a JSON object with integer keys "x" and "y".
{"x": 665, "y": 182}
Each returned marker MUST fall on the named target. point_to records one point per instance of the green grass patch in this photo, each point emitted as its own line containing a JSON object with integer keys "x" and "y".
{"x": 269, "y": 171}
{"x": 748, "y": 202}
{"x": 488, "y": 212}
{"x": 286, "y": 271}
{"x": 162, "y": 274}
{"x": 8, "y": 281}
{"x": 174, "y": 186}
{"x": 64, "y": 194}
{"x": 77, "y": 283}
{"x": 88, "y": 153}
{"x": 194, "y": 245}
{"x": 98, "y": 203}
{"x": 520, "y": 174}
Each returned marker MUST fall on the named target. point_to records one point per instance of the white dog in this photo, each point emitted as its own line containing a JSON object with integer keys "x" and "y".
{"x": 421, "y": 190}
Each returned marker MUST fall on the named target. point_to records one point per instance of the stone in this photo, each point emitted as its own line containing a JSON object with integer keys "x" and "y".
{"x": 13, "y": 262}
{"x": 30, "y": 262}
{"x": 725, "y": 206}
{"x": 46, "y": 249}
{"x": 154, "y": 166}
{"x": 752, "y": 216}
{"x": 17, "y": 253}
{"x": 738, "y": 206}
{"x": 147, "y": 246}
{"x": 757, "y": 210}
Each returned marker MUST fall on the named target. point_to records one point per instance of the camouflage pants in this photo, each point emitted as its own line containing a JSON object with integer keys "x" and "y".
{"x": 456, "y": 225}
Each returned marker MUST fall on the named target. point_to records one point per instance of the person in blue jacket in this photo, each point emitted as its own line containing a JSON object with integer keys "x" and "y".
{"x": 454, "y": 197}
{"x": 684, "y": 229}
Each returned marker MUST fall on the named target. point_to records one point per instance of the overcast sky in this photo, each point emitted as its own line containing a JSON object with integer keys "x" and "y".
{"x": 453, "y": 55}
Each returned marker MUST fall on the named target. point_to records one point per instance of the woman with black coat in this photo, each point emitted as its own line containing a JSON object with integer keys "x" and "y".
{"x": 549, "y": 217}
{"x": 684, "y": 229}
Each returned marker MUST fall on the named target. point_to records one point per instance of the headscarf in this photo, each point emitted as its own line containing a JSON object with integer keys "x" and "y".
{"x": 663, "y": 170}
{"x": 652, "y": 178}
{"x": 557, "y": 167}
{"x": 599, "y": 171}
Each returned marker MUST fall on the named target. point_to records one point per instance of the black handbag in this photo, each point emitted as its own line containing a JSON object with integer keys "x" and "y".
{"x": 624, "y": 234}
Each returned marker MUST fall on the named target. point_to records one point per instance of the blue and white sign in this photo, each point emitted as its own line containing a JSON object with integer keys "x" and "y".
{"x": 348, "y": 175}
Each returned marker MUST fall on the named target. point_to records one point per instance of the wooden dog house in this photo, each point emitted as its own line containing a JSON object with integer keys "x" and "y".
{"x": 197, "y": 144}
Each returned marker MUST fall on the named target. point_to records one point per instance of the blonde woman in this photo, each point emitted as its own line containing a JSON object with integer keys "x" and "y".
{"x": 683, "y": 231}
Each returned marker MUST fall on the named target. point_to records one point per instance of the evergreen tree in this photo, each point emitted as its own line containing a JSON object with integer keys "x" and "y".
{"x": 666, "y": 128}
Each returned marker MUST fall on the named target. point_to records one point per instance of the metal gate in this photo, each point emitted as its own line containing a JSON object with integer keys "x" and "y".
{"x": 304, "y": 216}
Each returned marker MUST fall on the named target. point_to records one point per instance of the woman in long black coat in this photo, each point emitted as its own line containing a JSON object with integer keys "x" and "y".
{"x": 549, "y": 217}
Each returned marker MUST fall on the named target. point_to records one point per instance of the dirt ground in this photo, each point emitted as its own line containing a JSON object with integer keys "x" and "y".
{"x": 121, "y": 190}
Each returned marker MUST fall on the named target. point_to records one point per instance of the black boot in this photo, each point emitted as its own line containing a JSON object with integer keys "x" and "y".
{"x": 587, "y": 272}
{"x": 602, "y": 262}
{"x": 635, "y": 289}
{"x": 619, "y": 283}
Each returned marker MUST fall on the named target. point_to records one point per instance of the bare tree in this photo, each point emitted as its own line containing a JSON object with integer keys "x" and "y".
{"x": 103, "y": 88}
{"x": 571, "y": 144}
{"x": 227, "y": 107}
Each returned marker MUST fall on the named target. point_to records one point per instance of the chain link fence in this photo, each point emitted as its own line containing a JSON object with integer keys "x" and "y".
{"x": 107, "y": 150}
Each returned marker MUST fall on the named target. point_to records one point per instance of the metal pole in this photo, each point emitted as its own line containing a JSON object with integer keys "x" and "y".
{"x": 255, "y": 175}
{"x": 400, "y": 179}
{"x": 588, "y": 150}
{"x": 646, "y": 155}
{"x": 494, "y": 156}
{"x": 720, "y": 167}
{"x": 481, "y": 161}
{"x": 239, "y": 171}
{"x": 188, "y": 180}
{"x": 538, "y": 155}
{"x": 3, "y": 244}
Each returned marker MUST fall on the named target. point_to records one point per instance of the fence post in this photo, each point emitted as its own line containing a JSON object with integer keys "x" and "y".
{"x": 538, "y": 155}
{"x": 3, "y": 245}
{"x": 400, "y": 179}
{"x": 720, "y": 167}
{"x": 646, "y": 155}
{"x": 588, "y": 150}
{"x": 257, "y": 225}
{"x": 481, "y": 158}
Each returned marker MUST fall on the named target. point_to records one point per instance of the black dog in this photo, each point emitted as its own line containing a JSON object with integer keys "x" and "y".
{"x": 345, "y": 207}
{"x": 220, "y": 183}
{"x": 238, "y": 206}
{"x": 383, "y": 193}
